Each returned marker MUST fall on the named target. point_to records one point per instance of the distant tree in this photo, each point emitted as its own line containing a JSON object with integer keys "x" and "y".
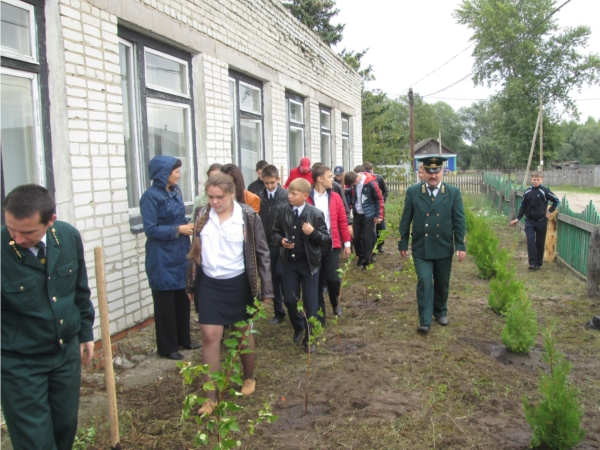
{"x": 520, "y": 48}
{"x": 586, "y": 142}
{"x": 317, "y": 15}
{"x": 353, "y": 58}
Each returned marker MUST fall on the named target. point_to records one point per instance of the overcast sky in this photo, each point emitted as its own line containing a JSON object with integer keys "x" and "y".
{"x": 409, "y": 39}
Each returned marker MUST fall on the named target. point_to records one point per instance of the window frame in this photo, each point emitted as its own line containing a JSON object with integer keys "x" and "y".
{"x": 142, "y": 93}
{"x": 294, "y": 98}
{"x": 40, "y": 68}
{"x": 240, "y": 113}
{"x": 170, "y": 58}
{"x": 33, "y": 41}
{"x": 327, "y": 131}
{"x": 346, "y": 136}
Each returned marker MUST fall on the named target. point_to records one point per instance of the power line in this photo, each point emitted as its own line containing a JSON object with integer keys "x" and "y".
{"x": 506, "y": 50}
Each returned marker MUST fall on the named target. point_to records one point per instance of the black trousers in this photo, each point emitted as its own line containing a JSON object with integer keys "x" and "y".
{"x": 171, "y": 320}
{"x": 277, "y": 277}
{"x": 536, "y": 241}
{"x": 296, "y": 274}
{"x": 380, "y": 227}
{"x": 328, "y": 276}
{"x": 364, "y": 236}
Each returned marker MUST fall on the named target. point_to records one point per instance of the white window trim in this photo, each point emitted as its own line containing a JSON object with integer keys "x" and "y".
{"x": 259, "y": 113}
{"x": 321, "y": 111}
{"x": 303, "y": 138}
{"x": 9, "y": 52}
{"x": 135, "y": 125}
{"x": 37, "y": 120}
{"x": 301, "y": 115}
{"x": 234, "y": 145}
{"x": 161, "y": 88}
{"x": 344, "y": 119}
{"x": 247, "y": 119}
{"x": 188, "y": 110}
{"x": 330, "y": 153}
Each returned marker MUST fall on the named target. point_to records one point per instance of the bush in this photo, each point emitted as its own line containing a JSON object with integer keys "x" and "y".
{"x": 504, "y": 289}
{"x": 556, "y": 420}
{"x": 483, "y": 246}
{"x": 521, "y": 326}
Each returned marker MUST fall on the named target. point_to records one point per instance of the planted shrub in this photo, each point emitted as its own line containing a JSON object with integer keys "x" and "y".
{"x": 521, "y": 326}
{"x": 556, "y": 420}
{"x": 505, "y": 288}
{"x": 483, "y": 246}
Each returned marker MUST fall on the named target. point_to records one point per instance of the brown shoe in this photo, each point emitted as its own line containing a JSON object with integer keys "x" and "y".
{"x": 248, "y": 387}
{"x": 207, "y": 407}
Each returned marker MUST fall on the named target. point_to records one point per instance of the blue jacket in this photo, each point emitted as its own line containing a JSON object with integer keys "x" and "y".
{"x": 163, "y": 211}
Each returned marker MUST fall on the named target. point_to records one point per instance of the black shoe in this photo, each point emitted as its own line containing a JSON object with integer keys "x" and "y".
{"x": 298, "y": 335}
{"x": 538, "y": 267}
{"x": 373, "y": 258}
{"x": 360, "y": 262}
{"x": 338, "y": 311}
{"x": 174, "y": 355}
{"x": 364, "y": 268}
{"x": 276, "y": 319}
{"x": 443, "y": 321}
{"x": 313, "y": 349}
{"x": 532, "y": 266}
{"x": 380, "y": 249}
{"x": 192, "y": 346}
{"x": 423, "y": 329}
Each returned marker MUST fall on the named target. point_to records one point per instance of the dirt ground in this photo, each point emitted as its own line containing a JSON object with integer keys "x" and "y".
{"x": 578, "y": 202}
{"x": 386, "y": 387}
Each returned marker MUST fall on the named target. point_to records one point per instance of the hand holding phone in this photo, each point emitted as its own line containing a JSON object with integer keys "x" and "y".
{"x": 285, "y": 243}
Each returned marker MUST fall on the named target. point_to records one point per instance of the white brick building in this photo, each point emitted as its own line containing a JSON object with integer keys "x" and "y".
{"x": 91, "y": 90}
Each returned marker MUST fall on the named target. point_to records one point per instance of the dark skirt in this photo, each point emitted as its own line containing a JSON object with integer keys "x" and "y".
{"x": 222, "y": 302}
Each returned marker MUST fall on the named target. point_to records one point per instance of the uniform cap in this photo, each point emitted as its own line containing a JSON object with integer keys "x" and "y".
{"x": 433, "y": 164}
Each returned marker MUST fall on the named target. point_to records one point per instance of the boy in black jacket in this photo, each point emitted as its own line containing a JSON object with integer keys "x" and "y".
{"x": 301, "y": 230}
{"x": 535, "y": 209}
{"x": 273, "y": 198}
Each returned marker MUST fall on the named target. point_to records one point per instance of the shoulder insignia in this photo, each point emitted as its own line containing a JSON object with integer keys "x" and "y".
{"x": 423, "y": 189}
{"x": 14, "y": 247}
{"x": 54, "y": 235}
{"x": 443, "y": 189}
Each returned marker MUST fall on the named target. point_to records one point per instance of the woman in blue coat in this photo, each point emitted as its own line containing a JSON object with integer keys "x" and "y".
{"x": 167, "y": 245}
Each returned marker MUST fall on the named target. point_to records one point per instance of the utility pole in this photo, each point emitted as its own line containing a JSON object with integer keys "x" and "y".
{"x": 541, "y": 135}
{"x": 440, "y": 139}
{"x": 411, "y": 108}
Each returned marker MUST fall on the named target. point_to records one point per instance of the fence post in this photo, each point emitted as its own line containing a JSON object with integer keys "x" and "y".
{"x": 550, "y": 245}
{"x": 593, "y": 272}
{"x": 513, "y": 205}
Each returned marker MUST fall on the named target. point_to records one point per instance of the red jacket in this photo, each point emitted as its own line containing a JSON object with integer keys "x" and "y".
{"x": 337, "y": 217}
{"x": 295, "y": 173}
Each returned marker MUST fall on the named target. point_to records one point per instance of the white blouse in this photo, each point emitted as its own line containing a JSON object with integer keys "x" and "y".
{"x": 223, "y": 245}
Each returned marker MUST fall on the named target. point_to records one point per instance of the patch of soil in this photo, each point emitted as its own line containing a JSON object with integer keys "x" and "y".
{"x": 532, "y": 360}
{"x": 296, "y": 418}
{"x": 347, "y": 347}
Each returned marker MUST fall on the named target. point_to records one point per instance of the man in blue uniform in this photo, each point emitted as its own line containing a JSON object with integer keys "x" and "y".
{"x": 437, "y": 214}
{"x": 47, "y": 320}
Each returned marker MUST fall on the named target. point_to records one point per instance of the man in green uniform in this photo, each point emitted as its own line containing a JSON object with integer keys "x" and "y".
{"x": 47, "y": 319}
{"x": 436, "y": 212}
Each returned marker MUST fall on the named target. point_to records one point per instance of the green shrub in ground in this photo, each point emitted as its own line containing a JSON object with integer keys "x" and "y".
{"x": 556, "y": 420}
{"x": 469, "y": 219}
{"x": 521, "y": 326}
{"x": 505, "y": 288}
{"x": 483, "y": 247}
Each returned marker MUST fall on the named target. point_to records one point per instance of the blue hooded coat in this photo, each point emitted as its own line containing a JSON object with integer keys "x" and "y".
{"x": 163, "y": 211}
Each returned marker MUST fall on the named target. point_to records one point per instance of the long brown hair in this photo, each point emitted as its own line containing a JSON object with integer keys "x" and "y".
{"x": 240, "y": 187}
{"x": 223, "y": 182}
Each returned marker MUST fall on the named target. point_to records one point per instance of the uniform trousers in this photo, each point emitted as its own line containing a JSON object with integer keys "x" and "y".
{"x": 433, "y": 283}
{"x": 536, "y": 241}
{"x": 171, "y": 320}
{"x": 296, "y": 275}
{"x": 40, "y": 398}
{"x": 364, "y": 236}
{"x": 329, "y": 277}
{"x": 277, "y": 277}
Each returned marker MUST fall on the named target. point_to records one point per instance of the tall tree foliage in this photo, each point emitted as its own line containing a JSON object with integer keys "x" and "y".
{"x": 317, "y": 15}
{"x": 521, "y": 50}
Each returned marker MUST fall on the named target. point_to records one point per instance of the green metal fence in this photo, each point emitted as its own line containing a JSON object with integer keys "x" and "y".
{"x": 573, "y": 232}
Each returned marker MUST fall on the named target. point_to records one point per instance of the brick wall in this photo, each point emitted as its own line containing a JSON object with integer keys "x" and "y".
{"x": 259, "y": 38}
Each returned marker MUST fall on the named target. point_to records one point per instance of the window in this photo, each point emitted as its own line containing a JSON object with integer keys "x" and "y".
{"x": 346, "y": 142}
{"x": 295, "y": 106}
{"x": 24, "y": 88}
{"x": 325, "y": 114}
{"x": 247, "y": 140}
{"x": 157, "y": 110}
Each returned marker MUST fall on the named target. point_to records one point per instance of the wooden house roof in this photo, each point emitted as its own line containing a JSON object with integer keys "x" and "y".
{"x": 430, "y": 146}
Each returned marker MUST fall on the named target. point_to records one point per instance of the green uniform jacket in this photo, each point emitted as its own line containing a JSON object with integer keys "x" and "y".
{"x": 45, "y": 306}
{"x": 438, "y": 227}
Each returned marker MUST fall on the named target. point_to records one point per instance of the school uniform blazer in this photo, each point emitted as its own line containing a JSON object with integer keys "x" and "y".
{"x": 45, "y": 306}
{"x": 438, "y": 226}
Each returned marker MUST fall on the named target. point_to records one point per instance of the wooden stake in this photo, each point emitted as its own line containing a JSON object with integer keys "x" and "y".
{"x": 550, "y": 245}
{"x": 109, "y": 374}
{"x": 593, "y": 275}
{"x": 411, "y": 109}
{"x": 537, "y": 124}
{"x": 541, "y": 135}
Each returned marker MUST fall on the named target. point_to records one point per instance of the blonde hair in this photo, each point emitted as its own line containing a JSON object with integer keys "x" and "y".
{"x": 537, "y": 174}
{"x": 300, "y": 185}
{"x": 226, "y": 184}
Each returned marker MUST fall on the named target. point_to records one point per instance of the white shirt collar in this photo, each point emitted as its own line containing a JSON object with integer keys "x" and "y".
{"x": 300, "y": 208}
{"x": 317, "y": 195}
{"x": 273, "y": 191}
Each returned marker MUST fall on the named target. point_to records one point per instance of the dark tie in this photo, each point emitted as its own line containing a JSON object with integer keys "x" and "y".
{"x": 270, "y": 196}
{"x": 431, "y": 191}
{"x": 296, "y": 214}
{"x": 41, "y": 252}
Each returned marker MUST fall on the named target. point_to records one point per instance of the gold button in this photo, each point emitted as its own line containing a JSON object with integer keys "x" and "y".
{"x": 426, "y": 224}
{"x": 438, "y": 215}
{"x": 48, "y": 277}
{"x": 437, "y": 235}
{"x": 427, "y": 214}
{"x": 70, "y": 270}
{"x": 54, "y": 299}
{"x": 61, "y": 321}
{"x": 21, "y": 288}
{"x": 60, "y": 342}
{"x": 438, "y": 224}
{"x": 425, "y": 234}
